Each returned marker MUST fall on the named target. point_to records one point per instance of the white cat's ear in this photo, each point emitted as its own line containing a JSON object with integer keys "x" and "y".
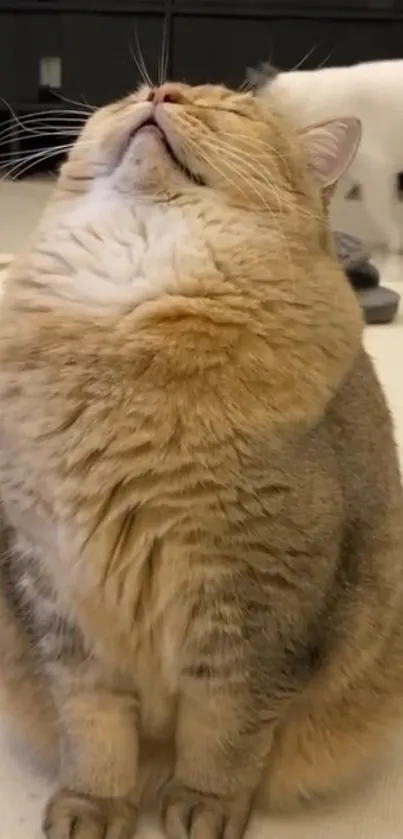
{"x": 332, "y": 146}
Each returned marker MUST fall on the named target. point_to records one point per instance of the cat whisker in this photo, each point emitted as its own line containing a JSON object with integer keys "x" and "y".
{"x": 224, "y": 174}
{"x": 16, "y": 119}
{"x": 17, "y": 173}
{"x": 39, "y": 128}
{"x": 45, "y": 131}
{"x": 325, "y": 60}
{"x": 247, "y": 163}
{"x": 60, "y": 138}
{"x": 207, "y": 159}
{"x": 44, "y": 112}
{"x": 255, "y": 181}
{"x": 39, "y": 135}
{"x": 29, "y": 120}
{"x": 56, "y": 113}
{"x": 163, "y": 60}
{"x": 139, "y": 61}
{"x": 92, "y": 108}
{"x": 139, "y": 67}
{"x": 249, "y": 151}
{"x": 254, "y": 142}
{"x": 23, "y": 165}
{"x": 302, "y": 61}
{"x": 32, "y": 126}
{"x": 264, "y": 146}
{"x": 59, "y": 148}
{"x": 243, "y": 161}
{"x": 259, "y": 166}
{"x": 263, "y": 162}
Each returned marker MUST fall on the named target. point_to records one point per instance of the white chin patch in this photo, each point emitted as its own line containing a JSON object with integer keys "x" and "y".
{"x": 93, "y": 205}
{"x": 107, "y": 251}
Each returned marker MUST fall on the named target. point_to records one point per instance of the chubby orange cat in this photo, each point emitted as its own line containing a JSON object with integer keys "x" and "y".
{"x": 201, "y": 507}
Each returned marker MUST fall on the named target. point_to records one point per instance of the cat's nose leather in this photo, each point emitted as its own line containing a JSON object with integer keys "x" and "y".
{"x": 167, "y": 92}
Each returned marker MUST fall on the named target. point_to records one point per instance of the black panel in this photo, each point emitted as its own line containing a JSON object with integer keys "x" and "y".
{"x": 214, "y": 40}
{"x": 370, "y": 41}
{"x": 339, "y": 44}
{"x": 248, "y": 42}
{"x": 102, "y": 6}
{"x": 98, "y": 50}
{"x": 283, "y": 8}
{"x": 24, "y": 39}
{"x": 220, "y": 7}
{"x": 285, "y": 42}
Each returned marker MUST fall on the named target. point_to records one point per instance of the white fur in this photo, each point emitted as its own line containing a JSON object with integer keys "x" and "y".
{"x": 102, "y": 249}
{"x": 372, "y": 92}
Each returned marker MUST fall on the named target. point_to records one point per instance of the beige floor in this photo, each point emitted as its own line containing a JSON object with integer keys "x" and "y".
{"x": 374, "y": 812}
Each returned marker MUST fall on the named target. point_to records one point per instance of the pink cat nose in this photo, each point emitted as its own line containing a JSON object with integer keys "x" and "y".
{"x": 167, "y": 92}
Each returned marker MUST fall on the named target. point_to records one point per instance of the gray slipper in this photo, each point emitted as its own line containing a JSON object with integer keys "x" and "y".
{"x": 351, "y": 252}
{"x": 379, "y": 305}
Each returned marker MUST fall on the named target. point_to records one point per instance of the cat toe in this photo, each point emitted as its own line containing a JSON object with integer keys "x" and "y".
{"x": 73, "y": 816}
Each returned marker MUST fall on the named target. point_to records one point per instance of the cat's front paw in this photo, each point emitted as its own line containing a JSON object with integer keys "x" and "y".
{"x": 70, "y": 815}
{"x": 188, "y": 814}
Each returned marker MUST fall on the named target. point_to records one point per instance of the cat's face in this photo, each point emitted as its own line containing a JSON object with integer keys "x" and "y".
{"x": 180, "y": 142}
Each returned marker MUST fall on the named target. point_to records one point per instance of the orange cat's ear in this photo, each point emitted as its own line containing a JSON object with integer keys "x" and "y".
{"x": 332, "y": 146}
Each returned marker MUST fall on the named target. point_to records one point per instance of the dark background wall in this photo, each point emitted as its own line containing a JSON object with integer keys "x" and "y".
{"x": 214, "y": 40}
{"x": 93, "y": 42}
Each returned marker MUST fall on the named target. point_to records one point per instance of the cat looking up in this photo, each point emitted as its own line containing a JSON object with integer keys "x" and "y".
{"x": 202, "y": 520}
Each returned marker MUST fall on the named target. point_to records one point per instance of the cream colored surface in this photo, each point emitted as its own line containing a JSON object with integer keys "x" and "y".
{"x": 373, "y": 812}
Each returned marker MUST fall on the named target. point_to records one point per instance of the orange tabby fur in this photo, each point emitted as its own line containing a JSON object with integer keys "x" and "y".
{"x": 185, "y": 466}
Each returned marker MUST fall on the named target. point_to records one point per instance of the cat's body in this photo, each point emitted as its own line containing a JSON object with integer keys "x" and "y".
{"x": 203, "y": 551}
{"x": 372, "y": 92}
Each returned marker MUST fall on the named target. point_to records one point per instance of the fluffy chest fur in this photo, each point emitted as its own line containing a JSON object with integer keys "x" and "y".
{"x": 135, "y": 414}
{"x": 99, "y": 253}
{"x": 128, "y": 610}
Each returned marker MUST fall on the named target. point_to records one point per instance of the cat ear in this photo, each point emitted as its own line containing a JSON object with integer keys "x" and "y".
{"x": 259, "y": 78}
{"x": 332, "y": 146}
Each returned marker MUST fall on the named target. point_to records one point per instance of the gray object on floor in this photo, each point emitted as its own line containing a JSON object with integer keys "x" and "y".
{"x": 350, "y": 250}
{"x": 379, "y": 304}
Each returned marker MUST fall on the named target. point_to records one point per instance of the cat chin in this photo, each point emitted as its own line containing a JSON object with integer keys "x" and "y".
{"x": 147, "y": 141}
{"x": 154, "y": 180}
{"x": 145, "y": 168}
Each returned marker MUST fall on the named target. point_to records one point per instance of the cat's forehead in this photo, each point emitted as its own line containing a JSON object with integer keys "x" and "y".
{"x": 225, "y": 97}
{"x": 213, "y": 93}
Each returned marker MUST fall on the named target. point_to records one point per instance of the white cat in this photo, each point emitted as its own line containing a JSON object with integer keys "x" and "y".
{"x": 372, "y": 92}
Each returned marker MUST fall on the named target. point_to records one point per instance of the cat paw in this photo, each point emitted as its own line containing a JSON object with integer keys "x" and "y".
{"x": 70, "y": 815}
{"x": 188, "y": 814}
